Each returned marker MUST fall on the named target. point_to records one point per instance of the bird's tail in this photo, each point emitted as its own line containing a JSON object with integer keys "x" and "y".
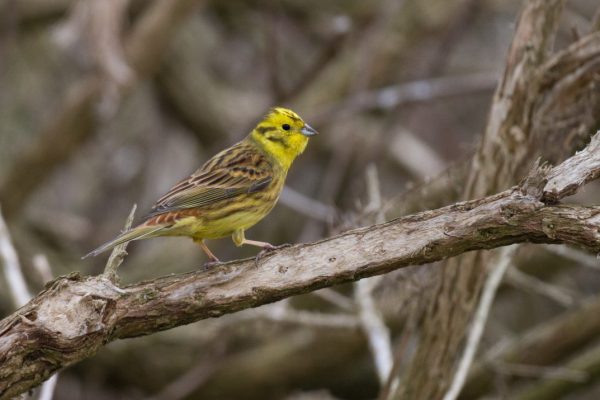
{"x": 139, "y": 232}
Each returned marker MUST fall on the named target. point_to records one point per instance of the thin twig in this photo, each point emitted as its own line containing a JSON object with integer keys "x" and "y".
{"x": 423, "y": 90}
{"x": 528, "y": 282}
{"x": 305, "y": 205}
{"x": 19, "y": 291}
{"x": 47, "y": 390}
{"x": 184, "y": 385}
{"x": 42, "y": 266}
{"x": 283, "y": 312}
{"x": 118, "y": 254}
{"x": 573, "y": 254}
{"x": 595, "y": 24}
{"x": 12, "y": 267}
{"x": 371, "y": 319}
{"x": 414, "y": 154}
{"x": 335, "y": 298}
{"x": 481, "y": 314}
{"x": 536, "y": 371}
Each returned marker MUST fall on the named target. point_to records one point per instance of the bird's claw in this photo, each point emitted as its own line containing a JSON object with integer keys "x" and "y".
{"x": 267, "y": 249}
{"x": 211, "y": 264}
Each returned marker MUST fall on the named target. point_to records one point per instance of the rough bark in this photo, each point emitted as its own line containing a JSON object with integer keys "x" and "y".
{"x": 75, "y": 316}
{"x": 532, "y": 104}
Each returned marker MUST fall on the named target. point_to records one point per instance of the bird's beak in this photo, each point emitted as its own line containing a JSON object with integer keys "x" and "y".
{"x": 308, "y": 130}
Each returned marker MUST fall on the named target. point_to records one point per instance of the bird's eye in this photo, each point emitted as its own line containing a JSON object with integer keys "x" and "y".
{"x": 285, "y": 127}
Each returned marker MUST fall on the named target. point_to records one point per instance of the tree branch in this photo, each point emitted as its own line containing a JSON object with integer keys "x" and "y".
{"x": 75, "y": 316}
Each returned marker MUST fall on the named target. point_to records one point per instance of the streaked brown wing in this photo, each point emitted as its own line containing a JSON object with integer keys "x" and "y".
{"x": 233, "y": 172}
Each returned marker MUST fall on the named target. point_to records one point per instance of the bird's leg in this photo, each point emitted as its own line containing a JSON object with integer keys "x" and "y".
{"x": 213, "y": 259}
{"x": 239, "y": 240}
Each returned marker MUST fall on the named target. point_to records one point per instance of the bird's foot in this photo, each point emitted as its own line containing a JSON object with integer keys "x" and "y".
{"x": 267, "y": 249}
{"x": 211, "y": 264}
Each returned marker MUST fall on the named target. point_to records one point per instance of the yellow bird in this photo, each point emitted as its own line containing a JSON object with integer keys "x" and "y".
{"x": 232, "y": 191}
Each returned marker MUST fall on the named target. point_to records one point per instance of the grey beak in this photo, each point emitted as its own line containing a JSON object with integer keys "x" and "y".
{"x": 308, "y": 130}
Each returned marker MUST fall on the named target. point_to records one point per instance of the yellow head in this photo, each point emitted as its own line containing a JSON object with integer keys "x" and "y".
{"x": 283, "y": 135}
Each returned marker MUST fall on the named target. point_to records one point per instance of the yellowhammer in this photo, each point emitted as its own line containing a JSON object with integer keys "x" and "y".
{"x": 232, "y": 191}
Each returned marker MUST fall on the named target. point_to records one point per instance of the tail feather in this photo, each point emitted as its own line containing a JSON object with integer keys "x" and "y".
{"x": 139, "y": 232}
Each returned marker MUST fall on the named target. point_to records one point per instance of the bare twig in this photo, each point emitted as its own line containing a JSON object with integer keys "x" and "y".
{"x": 481, "y": 314}
{"x": 576, "y": 255}
{"x": 42, "y": 266}
{"x": 370, "y": 317}
{"x": 47, "y": 390}
{"x": 12, "y": 267}
{"x": 595, "y": 23}
{"x": 305, "y": 205}
{"x": 335, "y": 298}
{"x": 283, "y": 312}
{"x": 371, "y": 322}
{"x": 422, "y": 90}
{"x": 118, "y": 254}
{"x": 19, "y": 290}
{"x": 414, "y": 154}
{"x": 536, "y": 371}
{"x": 185, "y": 384}
{"x": 531, "y": 283}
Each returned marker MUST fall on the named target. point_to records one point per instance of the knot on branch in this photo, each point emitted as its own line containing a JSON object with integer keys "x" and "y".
{"x": 535, "y": 181}
{"x": 80, "y": 306}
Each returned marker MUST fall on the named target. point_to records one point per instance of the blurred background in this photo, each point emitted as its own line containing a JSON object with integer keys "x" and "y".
{"x": 104, "y": 104}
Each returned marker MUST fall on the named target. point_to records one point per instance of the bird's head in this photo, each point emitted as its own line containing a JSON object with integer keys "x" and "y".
{"x": 282, "y": 134}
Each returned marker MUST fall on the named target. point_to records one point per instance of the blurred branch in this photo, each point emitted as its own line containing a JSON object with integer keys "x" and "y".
{"x": 283, "y": 312}
{"x": 538, "y": 98}
{"x": 73, "y": 124}
{"x": 19, "y": 290}
{"x": 479, "y": 320}
{"x": 336, "y": 299}
{"x": 542, "y": 345}
{"x": 331, "y": 49}
{"x": 12, "y": 267}
{"x": 371, "y": 320}
{"x": 307, "y": 206}
{"x": 569, "y": 85}
{"x": 528, "y": 282}
{"x": 534, "y": 371}
{"x": 595, "y": 23}
{"x": 34, "y": 10}
{"x": 576, "y": 255}
{"x": 414, "y": 154}
{"x": 185, "y": 385}
{"x": 587, "y": 364}
{"x": 422, "y": 90}
{"x": 75, "y": 316}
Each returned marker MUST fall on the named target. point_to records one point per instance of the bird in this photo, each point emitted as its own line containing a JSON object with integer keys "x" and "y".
{"x": 231, "y": 192}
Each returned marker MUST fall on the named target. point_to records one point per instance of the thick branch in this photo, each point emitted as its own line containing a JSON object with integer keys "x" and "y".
{"x": 574, "y": 172}
{"x": 75, "y": 316}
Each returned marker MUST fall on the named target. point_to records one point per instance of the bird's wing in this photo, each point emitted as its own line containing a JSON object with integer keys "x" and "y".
{"x": 233, "y": 172}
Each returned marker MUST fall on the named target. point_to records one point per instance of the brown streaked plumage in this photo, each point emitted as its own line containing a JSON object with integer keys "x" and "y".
{"x": 232, "y": 191}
